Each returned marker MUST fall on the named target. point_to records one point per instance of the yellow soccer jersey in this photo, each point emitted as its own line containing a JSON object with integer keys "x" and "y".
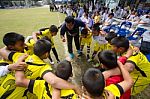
{"x": 36, "y": 69}
{"x": 115, "y": 89}
{"x": 48, "y": 34}
{"x": 44, "y": 91}
{"x": 4, "y": 62}
{"x": 6, "y": 82}
{"x": 101, "y": 47}
{"x": 30, "y": 46}
{"x": 141, "y": 73}
{"x": 87, "y": 40}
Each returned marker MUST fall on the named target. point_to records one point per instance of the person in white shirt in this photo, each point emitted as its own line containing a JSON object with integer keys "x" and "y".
{"x": 87, "y": 20}
{"x": 144, "y": 20}
{"x": 131, "y": 16}
{"x": 69, "y": 11}
{"x": 104, "y": 16}
{"x": 135, "y": 19}
{"x": 108, "y": 21}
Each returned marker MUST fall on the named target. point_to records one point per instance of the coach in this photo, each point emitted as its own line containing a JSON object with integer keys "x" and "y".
{"x": 71, "y": 28}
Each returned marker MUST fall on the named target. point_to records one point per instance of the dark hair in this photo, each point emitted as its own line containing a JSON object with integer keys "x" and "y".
{"x": 41, "y": 47}
{"x": 93, "y": 81}
{"x": 11, "y": 38}
{"x": 120, "y": 42}
{"x": 110, "y": 36}
{"x": 69, "y": 19}
{"x": 96, "y": 27}
{"x": 108, "y": 58}
{"x": 64, "y": 70}
{"x": 147, "y": 12}
{"x": 53, "y": 28}
{"x": 111, "y": 14}
{"x": 84, "y": 31}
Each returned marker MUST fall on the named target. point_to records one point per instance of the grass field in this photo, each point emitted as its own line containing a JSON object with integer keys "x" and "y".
{"x": 25, "y": 21}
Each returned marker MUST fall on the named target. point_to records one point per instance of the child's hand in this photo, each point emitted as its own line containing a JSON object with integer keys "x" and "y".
{"x": 136, "y": 49}
{"x": 119, "y": 64}
{"x": 18, "y": 66}
{"x": 103, "y": 33}
{"x": 78, "y": 90}
{"x": 63, "y": 39}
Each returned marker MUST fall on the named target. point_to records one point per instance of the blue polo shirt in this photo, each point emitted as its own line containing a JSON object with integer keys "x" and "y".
{"x": 77, "y": 23}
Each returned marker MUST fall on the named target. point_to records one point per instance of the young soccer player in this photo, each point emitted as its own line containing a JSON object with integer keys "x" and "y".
{"x": 14, "y": 41}
{"x": 63, "y": 70}
{"x": 108, "y": 60}
{"x": 37, "y": 69}
{"x": 85, "y": 38}
{"x": 49, "y": 33}
{"x": 94, "y": 83}
{"x": 99, "y": 38}
{"x": 137, "y": 64}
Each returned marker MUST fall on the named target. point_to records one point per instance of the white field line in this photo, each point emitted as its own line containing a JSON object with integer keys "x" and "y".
{"x": 64, "y": 43}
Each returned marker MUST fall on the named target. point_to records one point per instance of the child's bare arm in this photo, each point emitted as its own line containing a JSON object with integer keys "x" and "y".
{"x": 55, "y": 82}
{"x": 21, "y": 81}
{"x": 116, "y": 71}
{"x": 34, "y": 35}
{"x": 128, "y": 82}
{"x": 4, "y": 52}
{"x": 56, "y": 94}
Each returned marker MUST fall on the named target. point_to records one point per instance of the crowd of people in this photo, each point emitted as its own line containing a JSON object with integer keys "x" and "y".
{"x": 123, "y": 68}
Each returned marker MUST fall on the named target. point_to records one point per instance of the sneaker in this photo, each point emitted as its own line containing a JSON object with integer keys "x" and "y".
{"x": 52, "y": 62}
{"x": 90, "y": 60}
{"x": 79, "y": 53}
{"x": 58, "y": 61}
{"x": 71, "y": 55}
{"x": 97, "y": 65}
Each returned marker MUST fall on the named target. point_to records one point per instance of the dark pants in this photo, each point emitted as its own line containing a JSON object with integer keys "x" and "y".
{"x": 69, "y": 42}
{"x": 55, "y": 54}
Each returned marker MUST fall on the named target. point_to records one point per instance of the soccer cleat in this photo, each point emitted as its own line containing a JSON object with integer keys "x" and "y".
{"x": 96, "y": 65}
{"x": 90, "y": 60}
{"x": 79, "y": 53}
{"x": 71, "y": 55}
{"x": 52, "y": 62}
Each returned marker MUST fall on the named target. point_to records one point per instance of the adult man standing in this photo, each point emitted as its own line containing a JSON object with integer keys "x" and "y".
{"x": 71, "y": 28}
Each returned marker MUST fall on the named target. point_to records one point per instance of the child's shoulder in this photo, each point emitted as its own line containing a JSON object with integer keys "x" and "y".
{"x": 114, "y": 79}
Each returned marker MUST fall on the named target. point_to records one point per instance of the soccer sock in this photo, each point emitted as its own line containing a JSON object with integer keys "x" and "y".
{"x": 55, "y": 53}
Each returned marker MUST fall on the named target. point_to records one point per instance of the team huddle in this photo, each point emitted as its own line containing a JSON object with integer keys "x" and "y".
{"x": 123, "y": 70}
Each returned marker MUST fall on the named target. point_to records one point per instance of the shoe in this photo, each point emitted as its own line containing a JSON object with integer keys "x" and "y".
{"x": 90, "y": 60}
{"x": 58, "y": 61}
{"x": 52, "y": 62}
{"x": 79, "y": 53}
{"x": 71, "y": 55}
{"x": 97, "y": 65}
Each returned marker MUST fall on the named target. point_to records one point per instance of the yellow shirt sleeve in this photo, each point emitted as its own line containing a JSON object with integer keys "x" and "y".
{"x": 47, "y": 68}
{"x": 13, "y": 56}
{"x": 115, "y": 90}
{"x": 45, "y": 33}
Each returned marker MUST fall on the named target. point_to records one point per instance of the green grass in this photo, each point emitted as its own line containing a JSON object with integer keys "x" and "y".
{"x": 25, "y": 21}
